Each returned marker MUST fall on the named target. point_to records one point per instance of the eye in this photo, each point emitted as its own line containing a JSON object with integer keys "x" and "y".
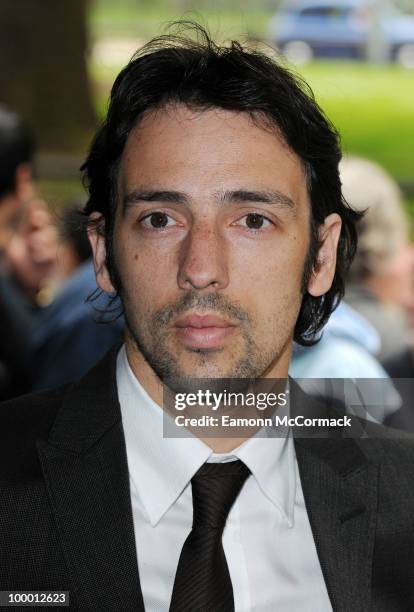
{"x": 157, "y": 220}
{"x": 256, "y": 221}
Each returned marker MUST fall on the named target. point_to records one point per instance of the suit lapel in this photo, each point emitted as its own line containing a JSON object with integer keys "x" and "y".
{"x": 85, "y": 468}
{"x": 340, "y": 491}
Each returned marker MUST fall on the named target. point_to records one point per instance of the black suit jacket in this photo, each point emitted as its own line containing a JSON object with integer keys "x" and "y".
{"x": 66, "y": 519}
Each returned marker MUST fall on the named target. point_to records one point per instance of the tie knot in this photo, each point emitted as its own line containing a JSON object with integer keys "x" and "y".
{"x": 215, "y": 487}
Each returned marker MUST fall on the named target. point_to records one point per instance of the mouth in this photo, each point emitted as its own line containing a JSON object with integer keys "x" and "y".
{"x": 203, "y": 331}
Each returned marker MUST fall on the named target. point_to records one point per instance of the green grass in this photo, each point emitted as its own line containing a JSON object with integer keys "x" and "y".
{"x": 373, "y": 110}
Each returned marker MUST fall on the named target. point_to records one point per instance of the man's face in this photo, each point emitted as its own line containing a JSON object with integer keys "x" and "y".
{"x": 210, "y": 241}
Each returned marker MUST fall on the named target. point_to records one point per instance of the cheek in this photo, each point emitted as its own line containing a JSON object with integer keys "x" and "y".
{"x": 269, "y": 285}
{"x": 147, "y": 274}
{"x": 273, "y": 271}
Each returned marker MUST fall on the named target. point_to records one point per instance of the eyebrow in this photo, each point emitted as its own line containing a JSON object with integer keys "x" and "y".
{"x": 136, "y": 196}
{"x": 266, "y": 197}
{"x": 240, "y": 195}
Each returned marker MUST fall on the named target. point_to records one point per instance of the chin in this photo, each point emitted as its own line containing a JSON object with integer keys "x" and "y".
{"x": 206, "y": 372}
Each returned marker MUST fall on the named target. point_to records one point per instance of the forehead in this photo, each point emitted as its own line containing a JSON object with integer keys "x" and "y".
{"x": 208, "y": 150}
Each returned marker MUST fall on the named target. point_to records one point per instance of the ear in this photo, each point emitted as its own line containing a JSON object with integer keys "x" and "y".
{"x": 324, "y": 270}
{"x": 96, "y": 235}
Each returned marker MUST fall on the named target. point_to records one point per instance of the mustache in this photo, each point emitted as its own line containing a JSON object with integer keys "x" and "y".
{"x": 209, "y": 302}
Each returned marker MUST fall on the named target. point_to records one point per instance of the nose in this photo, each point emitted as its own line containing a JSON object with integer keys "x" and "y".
{"x": 203, "y": 259}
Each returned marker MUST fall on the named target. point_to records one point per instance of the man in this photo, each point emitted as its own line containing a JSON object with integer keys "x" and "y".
{"x": 216, "y": 214}
{"x": 31, "y": 237}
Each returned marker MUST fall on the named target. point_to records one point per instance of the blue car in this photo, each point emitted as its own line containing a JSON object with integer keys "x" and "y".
{"x": 351, "y": 29}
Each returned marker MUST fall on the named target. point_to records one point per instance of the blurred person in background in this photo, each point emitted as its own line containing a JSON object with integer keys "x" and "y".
{"x": 381, "y": 278}
{"x": 380, "y": 281}
{"x": 31, "y": 254}
{"x": 343, "y": 362}
{"x": 49, "y": 333}
{"x": 16, "y": 152}
{"x": 68, "y": 340}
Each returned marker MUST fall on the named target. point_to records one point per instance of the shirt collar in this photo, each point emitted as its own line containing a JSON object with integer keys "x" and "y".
{"x": 161, "y": 468}
{"x": 272, "y": 460}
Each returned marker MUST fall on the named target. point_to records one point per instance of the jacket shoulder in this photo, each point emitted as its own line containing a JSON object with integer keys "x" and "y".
{"x": 23, "y": 421}
{"x": 393, "y": 449}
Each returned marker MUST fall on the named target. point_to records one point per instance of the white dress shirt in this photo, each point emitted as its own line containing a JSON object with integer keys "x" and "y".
{"x": 267, "y": 539}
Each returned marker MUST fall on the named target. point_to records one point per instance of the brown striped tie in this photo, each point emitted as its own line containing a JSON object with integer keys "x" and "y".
{"x": 202, "y": 582}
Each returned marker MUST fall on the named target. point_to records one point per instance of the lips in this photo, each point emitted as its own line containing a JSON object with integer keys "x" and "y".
{"x": 201, "y": 321}
{"x": 203, "y": 331}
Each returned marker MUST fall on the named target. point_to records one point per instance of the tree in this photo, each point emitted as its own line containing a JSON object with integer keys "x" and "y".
{"x": 43, "y": 72}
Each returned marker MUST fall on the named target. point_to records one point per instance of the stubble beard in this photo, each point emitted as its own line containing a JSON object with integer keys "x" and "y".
{"x": 152, "y": 343}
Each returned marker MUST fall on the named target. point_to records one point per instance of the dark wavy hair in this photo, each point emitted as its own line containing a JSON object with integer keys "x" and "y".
{"x": 199, "y": 73}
